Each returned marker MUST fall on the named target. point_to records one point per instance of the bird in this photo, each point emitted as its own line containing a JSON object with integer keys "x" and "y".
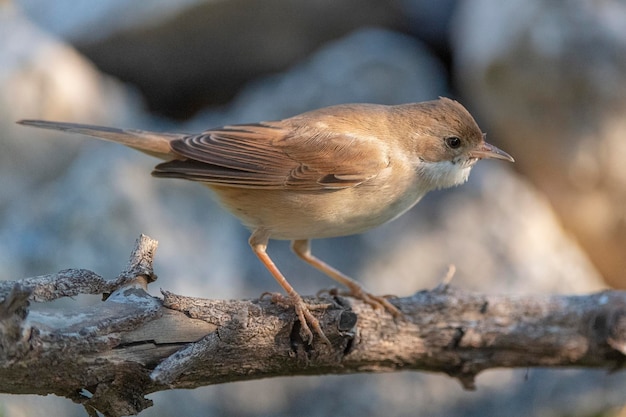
{"x": 335, "y": 171}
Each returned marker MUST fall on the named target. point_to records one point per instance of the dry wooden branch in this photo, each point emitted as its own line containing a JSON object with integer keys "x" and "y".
{"x": 109, "y": 356}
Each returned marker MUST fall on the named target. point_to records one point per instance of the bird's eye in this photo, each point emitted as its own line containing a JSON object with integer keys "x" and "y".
{"x": 453, "y": 142}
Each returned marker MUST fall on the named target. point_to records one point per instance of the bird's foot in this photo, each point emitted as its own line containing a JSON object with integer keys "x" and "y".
{"x": 303, "y": 311}
{"x": 376, "y": 301}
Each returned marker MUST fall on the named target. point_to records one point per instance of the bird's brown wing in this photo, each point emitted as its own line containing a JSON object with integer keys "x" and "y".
{"x": 273, "y": 157}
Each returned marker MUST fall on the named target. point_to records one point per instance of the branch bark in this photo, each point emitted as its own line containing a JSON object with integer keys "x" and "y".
{"x": 109, "y": 356}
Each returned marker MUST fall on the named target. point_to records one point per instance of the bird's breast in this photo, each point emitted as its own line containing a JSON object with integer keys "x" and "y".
{"x": 292, "y": 214}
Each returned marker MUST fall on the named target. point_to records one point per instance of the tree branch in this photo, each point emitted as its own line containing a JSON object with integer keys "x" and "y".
{"x": 109, "y": 356}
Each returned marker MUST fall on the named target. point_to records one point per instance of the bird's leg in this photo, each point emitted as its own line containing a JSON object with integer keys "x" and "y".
{"x": 302, "y": 248}
{"x": 258, "y": 243}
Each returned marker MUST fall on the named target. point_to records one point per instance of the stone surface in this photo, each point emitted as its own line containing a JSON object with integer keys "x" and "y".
{"x": 498, "y": 231}
{"x": 186, "y": 54}
{"x": 41, "y": 77}
{"x": 549, "y": 80}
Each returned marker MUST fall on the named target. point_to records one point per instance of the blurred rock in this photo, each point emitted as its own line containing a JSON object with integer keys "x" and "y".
{"x": 369, "y": 65}
{"x": 549, "y": 80}
{"x": 430, "y": 21}
{"x": 43, "y": 78}
{"x": 497, "y": 230}
{"x": 186, "y": 54}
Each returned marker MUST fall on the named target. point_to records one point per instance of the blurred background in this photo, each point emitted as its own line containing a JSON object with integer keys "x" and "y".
{"x": 546, "y": 80}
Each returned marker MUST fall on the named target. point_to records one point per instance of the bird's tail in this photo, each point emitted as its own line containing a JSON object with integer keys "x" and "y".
{"x": 151, "y": 143}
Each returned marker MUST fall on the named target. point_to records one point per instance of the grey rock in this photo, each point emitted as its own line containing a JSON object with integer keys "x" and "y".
{"x": 549, "y": 80}
{"x": 184, "y": 55}
{"x": 43, "y": 78}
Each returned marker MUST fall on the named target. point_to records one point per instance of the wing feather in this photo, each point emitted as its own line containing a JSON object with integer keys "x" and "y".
{"x": 274, "y": 156}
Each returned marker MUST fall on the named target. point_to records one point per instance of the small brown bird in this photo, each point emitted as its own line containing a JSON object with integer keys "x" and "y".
{"x": 334, "y": 171}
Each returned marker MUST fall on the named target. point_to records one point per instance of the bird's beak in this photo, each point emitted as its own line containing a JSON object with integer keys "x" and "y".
{"x": 487, "y": 150}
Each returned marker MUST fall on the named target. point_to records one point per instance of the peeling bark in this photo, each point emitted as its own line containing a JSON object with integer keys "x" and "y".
{"x": 109, "y": 356}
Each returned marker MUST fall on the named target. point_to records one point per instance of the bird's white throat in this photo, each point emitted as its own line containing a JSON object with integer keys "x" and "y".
{"x": 443, "y": 174}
